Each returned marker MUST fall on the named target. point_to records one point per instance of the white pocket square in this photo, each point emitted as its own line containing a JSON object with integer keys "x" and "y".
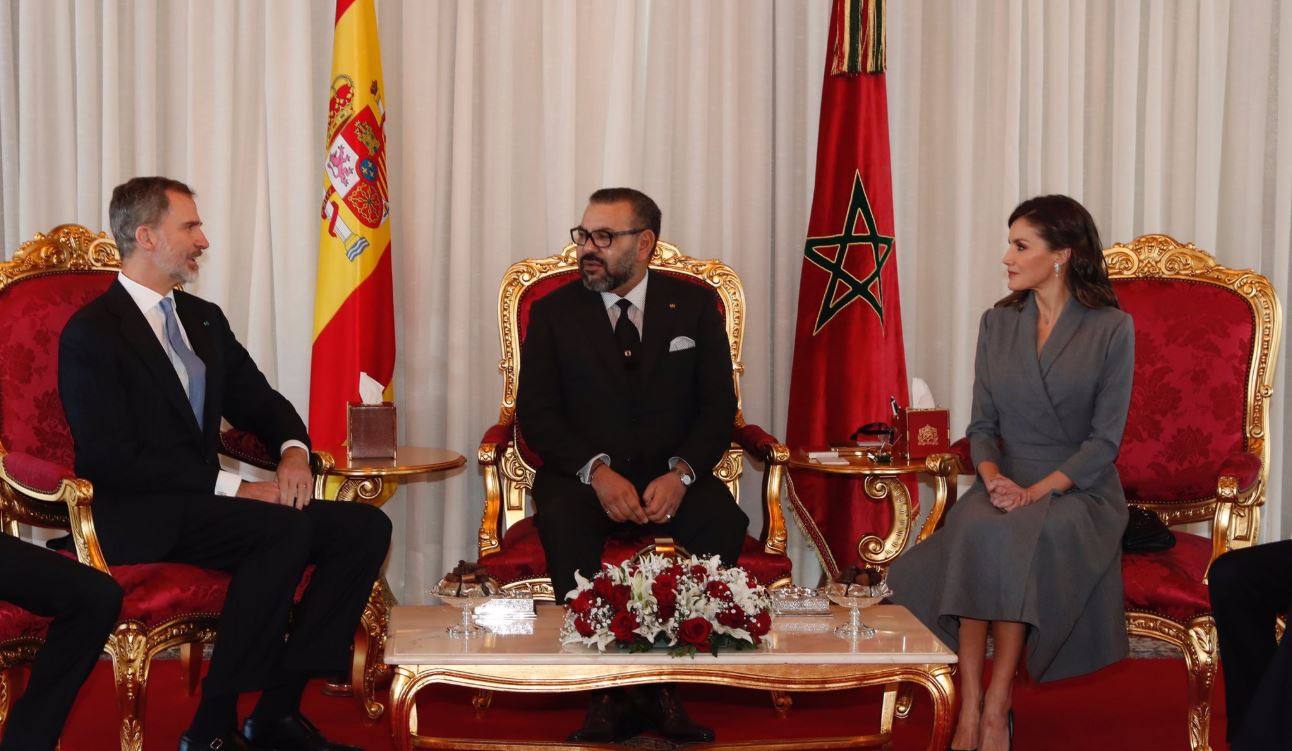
{"x": 681, "y": 343}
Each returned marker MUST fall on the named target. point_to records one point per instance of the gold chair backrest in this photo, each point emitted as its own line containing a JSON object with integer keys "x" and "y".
{"x": 1160, "y": 258}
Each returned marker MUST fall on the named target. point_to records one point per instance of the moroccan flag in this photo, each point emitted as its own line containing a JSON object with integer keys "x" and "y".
{"x": 848, "y": 355}
{"x": 354, "y": 316}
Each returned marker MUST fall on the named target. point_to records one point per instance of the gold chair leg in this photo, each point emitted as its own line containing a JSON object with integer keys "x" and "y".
{"x": 1200, "y": 661}
{"x": 128, "y": 647}
{"x": 4, "y": 697}
{"x": 190, "y": 660}
{"x": 367, "y": 666}
{"x": 781, "y": 702}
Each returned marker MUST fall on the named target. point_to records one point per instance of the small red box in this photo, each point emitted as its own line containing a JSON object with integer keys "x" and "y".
{"x": 921, "y": 432}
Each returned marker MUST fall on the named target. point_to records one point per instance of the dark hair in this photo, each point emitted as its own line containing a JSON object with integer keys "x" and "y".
{"x": 137, "y": 202}
{"x": 644, "y": 206}
{"x": 1064, "y": 223}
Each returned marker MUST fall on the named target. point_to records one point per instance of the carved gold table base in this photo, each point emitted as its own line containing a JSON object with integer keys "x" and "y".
{"x": 883, "y": 484}
{"x": 904, "y": 656}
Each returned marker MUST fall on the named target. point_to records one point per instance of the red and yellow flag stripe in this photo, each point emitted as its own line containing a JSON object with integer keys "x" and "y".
{"x": 354, "y": 316}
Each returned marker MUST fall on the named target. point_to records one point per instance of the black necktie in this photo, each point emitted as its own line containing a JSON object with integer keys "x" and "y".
{"x": 626, "y": 334}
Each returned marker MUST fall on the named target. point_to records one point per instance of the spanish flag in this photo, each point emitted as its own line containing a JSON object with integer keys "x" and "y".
{"x": 354, "y": 317}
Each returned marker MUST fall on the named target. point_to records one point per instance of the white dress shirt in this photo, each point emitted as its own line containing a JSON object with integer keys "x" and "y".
{"x": 149, "y": 302}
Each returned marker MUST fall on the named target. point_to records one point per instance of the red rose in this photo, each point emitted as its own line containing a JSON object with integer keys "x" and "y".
{"x": 622, "y": 626}
{"x": 665, "y": 600}
{"x": 718, "y": 590}
{"x": 602, "y": 586}
{"x": 699, "y": 572}
{"x": 583, "y": 603}
{"x": 732, "y": 617}
{"x": 695, "y": 631}
{"x": 620, "y": 594}
{"x": 583, "y": 626}
{"x": 666, "y": 579}
{"x": 674, "y": 571}
{"x": 760, "y": 624}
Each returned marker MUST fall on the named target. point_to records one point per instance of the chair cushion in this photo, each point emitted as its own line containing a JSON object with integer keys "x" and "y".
{"x": 34, "y": 473}
{"x": 1169, "y": 583}
{"x": 158, "y": 592}
{"x": 1190, "y": 388}
{"x": 521, "y": 556}
{"x": 35, "y": 310}
{"x": 16, "y": 623}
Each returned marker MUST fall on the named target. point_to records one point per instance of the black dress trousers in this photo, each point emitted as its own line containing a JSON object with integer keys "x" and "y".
{"x": 1249, "y": 589}
{"x": 266, "y": 548}
{"x": 84, "y": 604}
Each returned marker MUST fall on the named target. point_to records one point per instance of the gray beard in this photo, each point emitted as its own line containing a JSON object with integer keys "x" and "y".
{"x": 607, "y": 281}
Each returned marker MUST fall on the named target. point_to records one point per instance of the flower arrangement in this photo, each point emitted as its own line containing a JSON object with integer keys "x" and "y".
{"x": 686, "y": 604}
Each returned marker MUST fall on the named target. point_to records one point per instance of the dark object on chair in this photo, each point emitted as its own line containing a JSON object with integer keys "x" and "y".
{"x": 1146, "y": 533}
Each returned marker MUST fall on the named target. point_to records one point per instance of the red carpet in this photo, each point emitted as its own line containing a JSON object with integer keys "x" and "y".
{"x": 1136, "y": 704}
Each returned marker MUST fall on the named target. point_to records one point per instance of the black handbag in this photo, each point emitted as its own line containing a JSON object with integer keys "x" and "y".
{"x": 1146, "y": 533}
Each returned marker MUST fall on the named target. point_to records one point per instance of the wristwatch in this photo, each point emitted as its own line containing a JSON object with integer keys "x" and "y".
{"x": 682, "y": 475}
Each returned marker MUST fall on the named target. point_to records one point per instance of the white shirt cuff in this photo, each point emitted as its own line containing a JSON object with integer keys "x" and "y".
{"x": 226, "y": 483}
{"x": 585, "y": 474}
{"x": 289, "y": 444}
{"x": 672, "y": 464}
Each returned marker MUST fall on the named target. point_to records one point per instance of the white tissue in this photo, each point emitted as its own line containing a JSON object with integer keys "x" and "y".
{"x": 921, "y": 396}
{"x": 370, "y": 391}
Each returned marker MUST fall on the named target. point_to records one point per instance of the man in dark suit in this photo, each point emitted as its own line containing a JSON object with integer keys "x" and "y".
{"x": 627, "y": 397}
{"x": 146, "y": 373}
{"x": 1250, "y": 588}
{"x": 84, "y": 604}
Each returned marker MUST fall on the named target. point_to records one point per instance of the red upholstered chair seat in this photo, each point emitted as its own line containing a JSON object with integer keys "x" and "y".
{"x": 521, "y": 556}
{"x": 16, "y": 623}
{"x": 1169, "y": 583}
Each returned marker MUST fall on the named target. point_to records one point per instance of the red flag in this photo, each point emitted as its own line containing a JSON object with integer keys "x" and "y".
{"x": 848, "y": 356}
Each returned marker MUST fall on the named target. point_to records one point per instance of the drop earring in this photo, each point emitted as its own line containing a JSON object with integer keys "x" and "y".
{"x": 1058, "y": 268}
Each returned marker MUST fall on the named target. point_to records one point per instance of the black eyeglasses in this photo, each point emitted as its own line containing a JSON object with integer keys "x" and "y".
{"x": 600, "y": 237}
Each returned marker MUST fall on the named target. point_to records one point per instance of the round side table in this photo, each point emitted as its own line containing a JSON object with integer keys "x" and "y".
{"x": 373, "y": 481}
{"x": 883, "y": 483}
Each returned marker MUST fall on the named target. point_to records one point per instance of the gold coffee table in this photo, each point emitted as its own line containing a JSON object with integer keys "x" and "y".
{"x": 903, "y": 651}
{"x": 373, "y": 481}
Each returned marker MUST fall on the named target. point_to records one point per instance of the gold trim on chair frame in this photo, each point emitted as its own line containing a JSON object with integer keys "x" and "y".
{"x": 507, "y": 475}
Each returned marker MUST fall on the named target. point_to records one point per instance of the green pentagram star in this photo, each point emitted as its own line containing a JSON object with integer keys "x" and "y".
{"x": 870, "y": 288}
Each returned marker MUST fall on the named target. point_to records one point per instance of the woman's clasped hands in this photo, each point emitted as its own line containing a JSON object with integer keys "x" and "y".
{"x": 1007, "y": 495}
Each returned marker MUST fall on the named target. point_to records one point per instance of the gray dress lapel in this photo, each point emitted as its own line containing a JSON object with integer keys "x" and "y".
{"x": 1030, "y": 363}
{"x": 1067, "y": 325}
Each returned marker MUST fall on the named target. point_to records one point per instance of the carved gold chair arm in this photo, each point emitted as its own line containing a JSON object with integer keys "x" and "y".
{"x": 492, "y": 446}
{"x": 775, "y": 456}
{"x": 42, "y": 494}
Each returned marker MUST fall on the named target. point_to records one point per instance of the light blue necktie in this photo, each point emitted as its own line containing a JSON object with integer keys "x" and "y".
{"x": 192, "y": 363}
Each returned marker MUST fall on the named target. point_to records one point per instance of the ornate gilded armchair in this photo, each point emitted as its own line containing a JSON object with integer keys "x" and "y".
{"x": 166, "y": 604}
{"x": 21, "y": 635}
{"x": 508, "y": 541}
{"x": 1194, "y": 449}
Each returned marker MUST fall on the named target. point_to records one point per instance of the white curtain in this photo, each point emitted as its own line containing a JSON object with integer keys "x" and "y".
{"x": 503, "y": 116}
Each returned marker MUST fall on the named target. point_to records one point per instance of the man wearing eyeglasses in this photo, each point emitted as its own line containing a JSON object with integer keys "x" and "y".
{"x": 627, "y": 398}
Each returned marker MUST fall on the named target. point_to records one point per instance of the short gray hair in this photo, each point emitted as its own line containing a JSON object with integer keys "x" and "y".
{"x": 138, "y": 202}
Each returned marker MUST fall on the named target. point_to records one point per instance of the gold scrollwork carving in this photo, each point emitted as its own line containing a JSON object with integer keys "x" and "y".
{"x": 881, "y": 551}
{"x": 1197, "y": 642}
{"x": 364, "y": 490}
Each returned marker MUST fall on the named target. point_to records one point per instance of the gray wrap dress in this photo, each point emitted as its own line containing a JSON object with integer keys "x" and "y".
{"x": 1054, "y": 565}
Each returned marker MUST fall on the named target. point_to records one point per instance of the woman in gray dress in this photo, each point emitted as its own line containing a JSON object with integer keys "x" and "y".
{"x": 1032, "y": 551}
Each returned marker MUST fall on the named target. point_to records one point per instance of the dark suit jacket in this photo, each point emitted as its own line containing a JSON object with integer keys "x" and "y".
{"x": 136, "y": 436}
{"x": 577, "y": 399}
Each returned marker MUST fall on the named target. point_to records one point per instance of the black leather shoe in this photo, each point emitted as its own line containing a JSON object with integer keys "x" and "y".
{"x": 291, "y": 732}
{"x": 610, "y": 719}
{"x": 233, "y": 742}
{"x": 663, "y": 707}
